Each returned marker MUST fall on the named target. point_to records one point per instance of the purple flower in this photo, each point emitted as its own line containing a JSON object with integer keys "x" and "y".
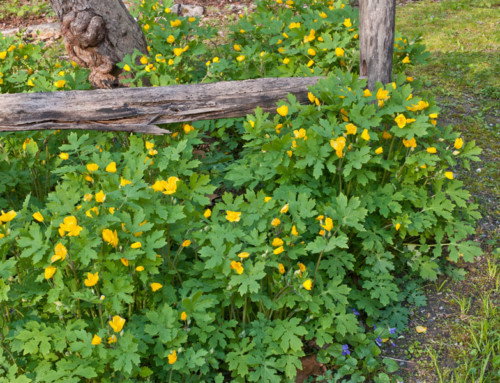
{"x": 378, "y": 341}
{"x": 345, "y": 349}
{"x": 355, "y": 312}
{"x": 392, "y": 330}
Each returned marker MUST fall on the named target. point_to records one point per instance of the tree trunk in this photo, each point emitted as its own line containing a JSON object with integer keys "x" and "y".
{"x": 98, "y": 34}
{"x": 376, "y": 40}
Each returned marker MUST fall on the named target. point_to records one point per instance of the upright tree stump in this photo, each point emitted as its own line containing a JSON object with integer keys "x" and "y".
{"x": 98, "y": 34}
{"x": 376, "y": 40}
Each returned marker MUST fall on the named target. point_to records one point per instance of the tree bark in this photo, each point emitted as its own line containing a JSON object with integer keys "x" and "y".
{"x": 376, "y": 40}
{"x": 98, "y": 34}
{"x": 140, "y": 109}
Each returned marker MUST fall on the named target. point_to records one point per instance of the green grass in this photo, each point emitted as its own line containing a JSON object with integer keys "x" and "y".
{"x": 463, "y": 38}
{"x": 24, "y": 9}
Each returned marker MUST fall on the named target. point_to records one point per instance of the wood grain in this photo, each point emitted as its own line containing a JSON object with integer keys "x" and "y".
{"x": 141, "y": 109}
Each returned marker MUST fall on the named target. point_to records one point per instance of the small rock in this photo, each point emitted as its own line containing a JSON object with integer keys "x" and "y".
{"x": 44, "y": 32}
{"x": 188, "y": 10}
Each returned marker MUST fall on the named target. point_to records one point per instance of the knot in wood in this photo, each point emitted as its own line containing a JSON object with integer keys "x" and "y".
{"x": 83, "y": 28}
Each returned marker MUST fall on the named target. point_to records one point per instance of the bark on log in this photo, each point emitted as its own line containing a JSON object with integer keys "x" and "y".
{"x": 98, "y": 34}
{"x": 376, "y": 40}
{"x": 140, "y": 109}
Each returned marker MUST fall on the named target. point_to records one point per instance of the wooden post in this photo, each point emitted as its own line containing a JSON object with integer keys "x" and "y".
{"x": 98, "y": 34}
{"x": 376, "y": 40}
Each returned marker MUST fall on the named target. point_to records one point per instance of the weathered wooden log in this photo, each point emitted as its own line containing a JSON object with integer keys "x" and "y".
{"x": 141, "y": 109}
{"x": 376, "y": 40}
{"x": 98, "y": 34}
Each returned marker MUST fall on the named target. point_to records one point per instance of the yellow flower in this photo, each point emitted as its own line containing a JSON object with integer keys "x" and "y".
{"x": 7, "y": 217}
{"x": 49, "y": 272}
{"x": 124, "y": 261}
{"x": 88, "y": 197}
{"x": 275, "y": 222}
{"x": 302, "y": 267}
{"x": 421, "y": 329}
{"x": 69, "y": 226}
{"x": 294, "y": 25}
{"x": 207, "y": 213}
{"x": 136, "y": 245}
{"x": 172, "y": 357}
{"x": 449, "y": 175}
{"x": 63, "y": 156}
{"x": 284, "y": 209}
{"x": 406, "y": 60}
{"x": 60, "y": 253}
{"x": 92, "y": 279}
{"x": 111, "y": 210}
{"x": 88, "y": 213}
{"x": 433, "y": 115}
{"x": 175, "y": 23}
{"x": 379, "y": 150}
{"x": 307, "y": 284}
{"x": 321, "y": 232}
{"x": 351, "y": 129}
{"x": 96, "y": 340}
{"x": 281, "y": 268}
{"x": 139, "y": 268}
{"x": 277, "y": 242}
{"x": 117, "y": 323}
{"x": 178, "y": 51}
{"x": 278, "y": 250}
{"x": 244, "y": 255}
{"x": 240, "y": 58}
{"x": 3, "y": 55}
{"x": 412, "y": 143}
{"x": 89, "y": 178}
{"x": 311, "y": 52}
{"x": 111, "y": 168}
{"x": 126, "y": 68}
{"x": 38, "y": 216}
{"x": 365, "y": 136}
{"x": 382, "y": 94}
{"x": 100, "y": 197}
{"x": 323, "y": 15}
{"x": 409, "y": 79}
{"x": 339, "y": 52}
{"x": 431, "y": 149}
{"x": 124, "y": 182}
{"x": 400, "y": 120}
{"x": 156, "y": 286}
{"x": 459, "y": 143}
{"x": 338, "y": 145}
{"x": 237, "y": 267}
{"x": 398, "y": 226}
{"x": 267, "y": 199}
{"x": 187, "y": 128}
{"x": 186, "y": 243}
{"x": 310, "y": 63}
{"x": 367, "y": 93}
{"x": 328, "y": 226}
{"x": 60, "y": 83}
{"x": 146, "y": 27}
{"x": 286, "y": 60}
{"x": 92, "y": 167}
{"x": 233, "y": 216}
{"x": 282, "y": 110}
{"x": 110, "y": 237}
{"x": 112, "y": 339}
{"x": 386, "y": 136}
{"x": 294, "y": 231}
{"x": 171, "y": 185}
{"x": 183, "y": 315}
{"x": 300, "y": 133}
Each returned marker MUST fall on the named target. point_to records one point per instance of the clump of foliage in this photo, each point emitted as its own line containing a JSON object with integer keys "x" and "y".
{"x": 228, "y": 250}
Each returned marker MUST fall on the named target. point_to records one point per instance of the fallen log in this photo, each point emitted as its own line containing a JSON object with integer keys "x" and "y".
{"x": 140, "y": 110}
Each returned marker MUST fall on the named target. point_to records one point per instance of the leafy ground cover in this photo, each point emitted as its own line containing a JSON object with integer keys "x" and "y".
{"x": 116, "y": 236}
